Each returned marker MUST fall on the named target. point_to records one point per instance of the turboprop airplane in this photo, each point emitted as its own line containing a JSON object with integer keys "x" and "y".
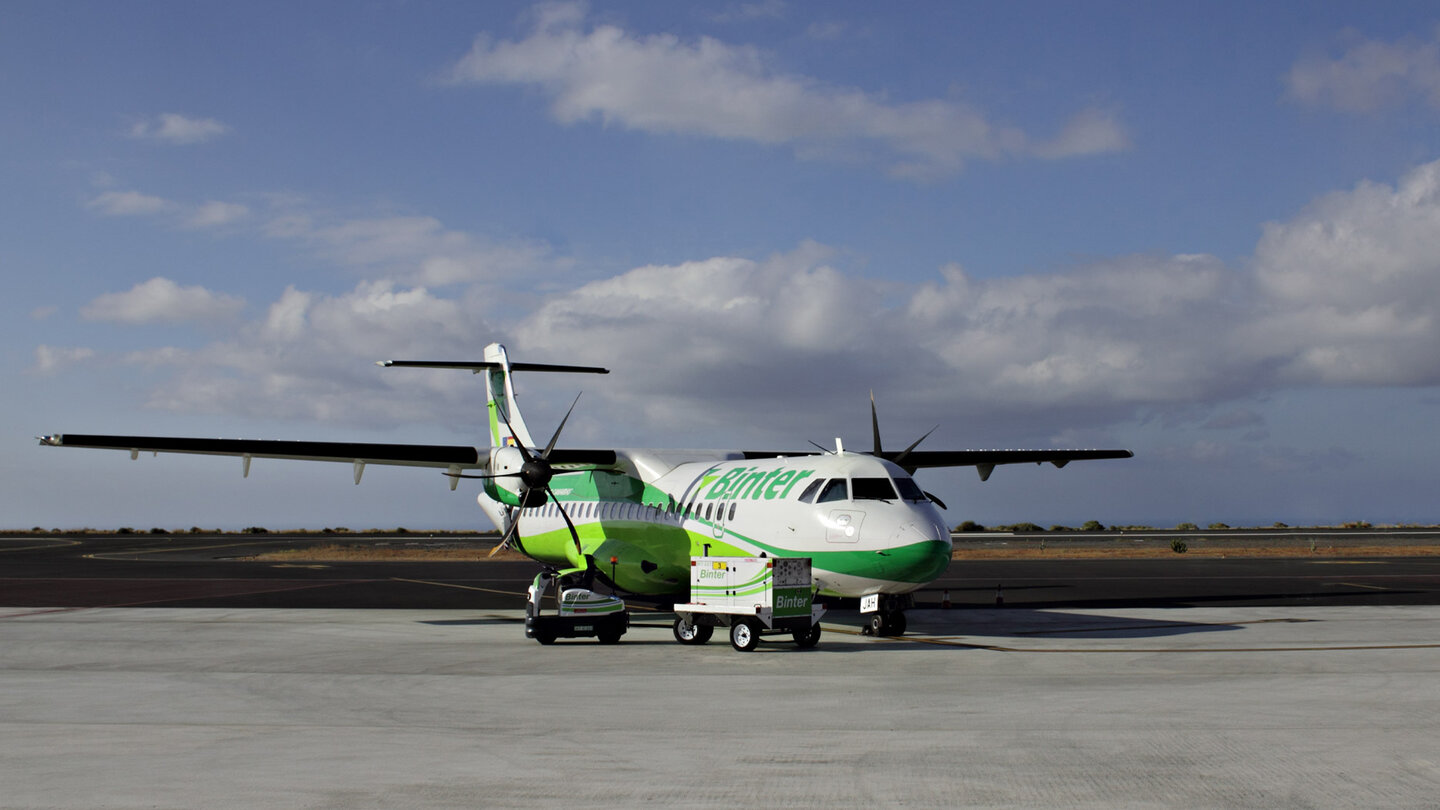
{"x": 633, "y": 518}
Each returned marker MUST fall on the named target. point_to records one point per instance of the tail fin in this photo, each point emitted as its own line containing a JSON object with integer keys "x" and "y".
{"x": 499, "y": 389}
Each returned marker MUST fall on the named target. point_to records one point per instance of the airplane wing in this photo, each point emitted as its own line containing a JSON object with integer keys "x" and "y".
{"x": 983, "y": 460}
{"x": 452, "y": 458}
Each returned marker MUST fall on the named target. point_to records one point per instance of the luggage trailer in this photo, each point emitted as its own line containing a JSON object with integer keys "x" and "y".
{"x": 754, "y": 597}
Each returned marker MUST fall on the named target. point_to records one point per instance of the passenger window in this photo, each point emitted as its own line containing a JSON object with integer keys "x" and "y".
{"x": 835, "y": 490}
{"x": 808, "y": 495}
{"x": 732, "y": 510}
{"x": 873, "y": 489}
{"x": 708, "y": 508}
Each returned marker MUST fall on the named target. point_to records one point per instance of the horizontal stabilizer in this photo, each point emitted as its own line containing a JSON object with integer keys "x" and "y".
{"x": 478, "y": 366}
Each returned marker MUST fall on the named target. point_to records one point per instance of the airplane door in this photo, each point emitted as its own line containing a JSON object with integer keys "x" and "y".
{"x": 717, "y": 523}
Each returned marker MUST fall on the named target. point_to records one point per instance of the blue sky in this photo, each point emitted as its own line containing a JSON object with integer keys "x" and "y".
{"x": 1207, "y": 232}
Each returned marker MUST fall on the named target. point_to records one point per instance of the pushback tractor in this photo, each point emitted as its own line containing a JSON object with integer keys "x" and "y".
{"x": 754, "y": 597}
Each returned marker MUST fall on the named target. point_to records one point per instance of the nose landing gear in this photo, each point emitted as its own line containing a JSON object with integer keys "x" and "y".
{"x": 886, "y": 614}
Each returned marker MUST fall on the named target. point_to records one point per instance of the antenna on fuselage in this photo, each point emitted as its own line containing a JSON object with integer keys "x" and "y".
{"x": 839, "y": 447}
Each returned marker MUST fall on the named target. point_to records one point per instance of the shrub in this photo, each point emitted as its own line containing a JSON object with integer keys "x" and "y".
{"x": 1218, "y": 527}
{"x": 1179, "y": 546}
{"x": 158, "y": 530}
{"x": 1186, "y": 527}
{"x": 1093, "y": 526}
{"x": 255, "y": 530}
{"x": 970, "y": 526}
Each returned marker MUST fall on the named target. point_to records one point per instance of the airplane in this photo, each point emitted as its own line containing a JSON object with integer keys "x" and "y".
{"x": 634, "y": 518}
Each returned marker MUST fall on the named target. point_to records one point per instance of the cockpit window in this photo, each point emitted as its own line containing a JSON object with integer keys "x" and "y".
{"x": 835, "y": 490}
{"x": 909, "y": 490}
{"x": 873, "y": 489}
{"x": 808, "y": 495}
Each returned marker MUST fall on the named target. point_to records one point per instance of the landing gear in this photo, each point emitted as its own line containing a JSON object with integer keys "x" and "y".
{"x": 687, "y": 633}
{"x": 888, "y": 619}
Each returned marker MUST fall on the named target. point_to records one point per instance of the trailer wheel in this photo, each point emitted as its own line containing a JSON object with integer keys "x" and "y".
{"x": 692, "y": 633}
{"x": 544, "y": 636}
{"x": 610, "y": 636}
{"x": 744, "y": 635}
{"x": 805, "y": 639}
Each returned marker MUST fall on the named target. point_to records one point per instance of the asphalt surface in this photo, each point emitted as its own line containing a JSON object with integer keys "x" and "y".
{"x": 203, "y": 571}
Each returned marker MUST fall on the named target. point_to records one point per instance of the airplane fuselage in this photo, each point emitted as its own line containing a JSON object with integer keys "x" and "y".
{"x": 863, "y": 522}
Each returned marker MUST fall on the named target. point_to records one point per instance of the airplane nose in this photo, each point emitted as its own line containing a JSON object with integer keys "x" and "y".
{"x": 926, "y": 556}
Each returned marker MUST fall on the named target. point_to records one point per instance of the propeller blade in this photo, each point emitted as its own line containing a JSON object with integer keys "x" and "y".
{"x": 574, "y": 535}
{"x": 505, "y": 540}
{"x": 875, "y": 425}
{"x": 903, "y": 453}
{"x": 556, "y": 437}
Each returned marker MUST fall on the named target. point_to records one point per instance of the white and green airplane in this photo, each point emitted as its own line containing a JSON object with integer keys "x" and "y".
{"x": 634, "y": 518}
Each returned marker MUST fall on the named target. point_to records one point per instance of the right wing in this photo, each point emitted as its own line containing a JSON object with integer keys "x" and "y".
{"x": 453, "y": 458}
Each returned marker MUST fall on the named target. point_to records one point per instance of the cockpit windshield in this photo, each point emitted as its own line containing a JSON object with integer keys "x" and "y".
{"x": 873, "y": 489}
{"x": 834, "y": 490}
{"x": 909, "y": 490}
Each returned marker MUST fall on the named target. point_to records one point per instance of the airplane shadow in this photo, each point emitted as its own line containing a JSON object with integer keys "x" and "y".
{"x": 1043, "y": 623}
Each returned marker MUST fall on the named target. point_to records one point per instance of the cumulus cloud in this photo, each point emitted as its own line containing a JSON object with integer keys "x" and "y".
{"x": 311, "y": 356}
{"x": 661, "y": 84}
{"x": 178, "y": 129}
{"x": 1370, "y": 75}
{"x": 1346, "y": 292}
{"x": 161, "y": 300}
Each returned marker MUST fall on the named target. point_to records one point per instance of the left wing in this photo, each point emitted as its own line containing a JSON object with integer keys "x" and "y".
{"x": 985, "y": 461}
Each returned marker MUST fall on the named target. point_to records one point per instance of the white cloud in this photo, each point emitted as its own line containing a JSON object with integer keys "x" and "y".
{"x": 214, "y": 214}
{"x": 161, "y": 300}
{"x": 662, "y": 84}
{"x": 416, "y": 250}
{"x": 128, "y": 204}
{"x": 311, "y": 356}
{"x": 49, "y": 359}
{"x": 1370, "y": 75}
{"x": 178, "y": 129}
{"x": 1347, "y": 292}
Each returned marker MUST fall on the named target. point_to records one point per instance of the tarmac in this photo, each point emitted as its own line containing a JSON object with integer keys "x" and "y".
{"x": 1273, "y": 706}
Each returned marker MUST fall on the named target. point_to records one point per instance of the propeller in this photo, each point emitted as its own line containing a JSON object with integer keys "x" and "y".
{"x": 899, "y": 458}
{"x": 535, "y": 473}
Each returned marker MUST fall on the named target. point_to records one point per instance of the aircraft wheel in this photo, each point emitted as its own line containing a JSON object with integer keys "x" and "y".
{"x": 805, "y": 639}
{"x": 744, "y": 635}
{"x": 878, "y": 626}
{"x": 692, "y": 633}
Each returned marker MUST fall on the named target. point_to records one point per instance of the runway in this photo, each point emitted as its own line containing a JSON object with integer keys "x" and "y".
{"x": 203, "y": 571}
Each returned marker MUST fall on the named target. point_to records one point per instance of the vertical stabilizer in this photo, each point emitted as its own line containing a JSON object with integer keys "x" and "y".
{"x": 500, "y": 401}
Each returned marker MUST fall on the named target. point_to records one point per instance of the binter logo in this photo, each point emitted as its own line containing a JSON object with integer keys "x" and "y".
{"x": 750, "y": 483}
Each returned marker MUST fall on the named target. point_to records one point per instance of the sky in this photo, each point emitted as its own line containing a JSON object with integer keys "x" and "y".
{"x": 1205, "y": 232}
